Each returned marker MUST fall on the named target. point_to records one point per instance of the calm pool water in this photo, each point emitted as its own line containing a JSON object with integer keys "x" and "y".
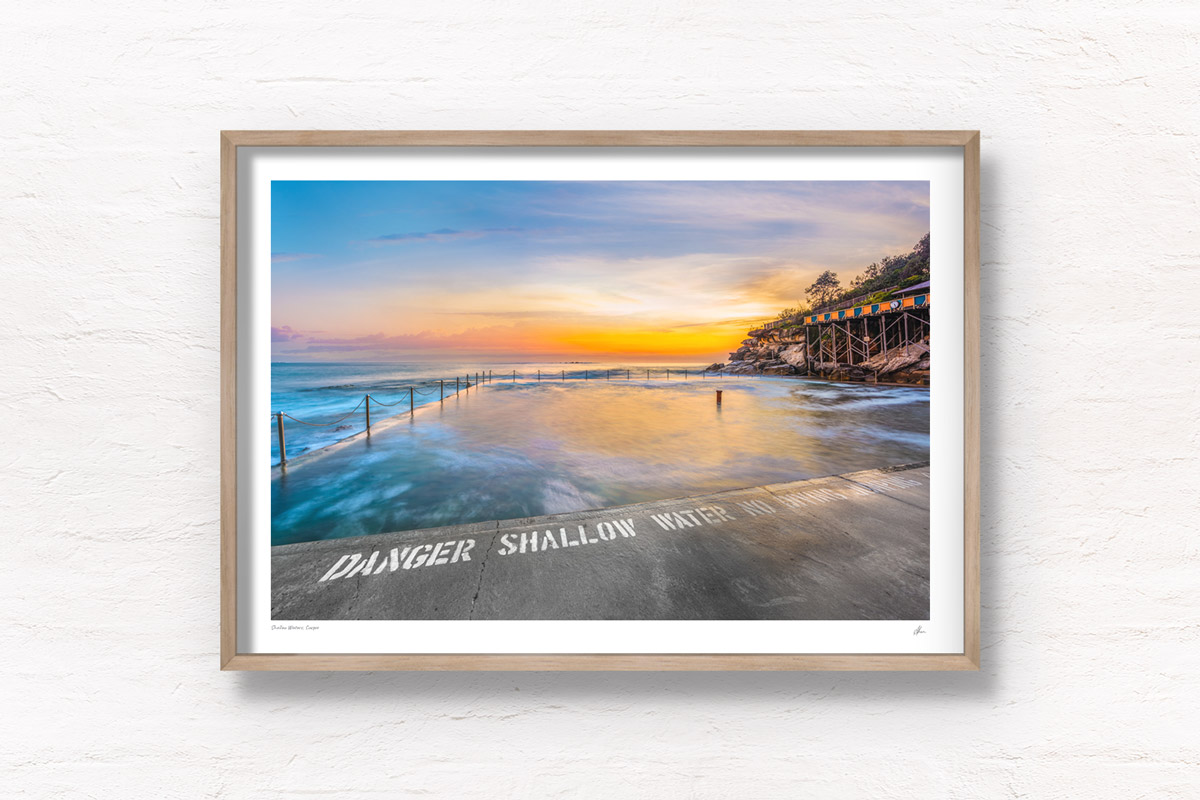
{"x": 520, "y": 449}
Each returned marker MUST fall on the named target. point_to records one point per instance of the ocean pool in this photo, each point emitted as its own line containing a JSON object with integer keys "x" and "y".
{"x": 508, "y": 450}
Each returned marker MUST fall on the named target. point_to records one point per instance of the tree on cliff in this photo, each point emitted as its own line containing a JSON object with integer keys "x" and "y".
{"x": 888, "y": 274}
{"x": 876, "y": 283}
{"x": 826, "y": 288}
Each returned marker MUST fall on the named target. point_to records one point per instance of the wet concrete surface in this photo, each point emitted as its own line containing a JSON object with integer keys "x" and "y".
{"x": 848, "y": 547}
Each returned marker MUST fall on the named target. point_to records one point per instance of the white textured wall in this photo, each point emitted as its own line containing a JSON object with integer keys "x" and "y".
{"x": 110, "y": 360}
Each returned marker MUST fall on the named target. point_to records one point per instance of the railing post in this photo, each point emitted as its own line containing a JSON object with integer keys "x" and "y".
{"x": 647, "y": 374}
{"x": 282, "y": 447}
{"x": 539, "y": 376}
{"x": 367, "y": 400}
{"x": 626, "y": 374}
{"x": 668, "y": 373}
{"x": 564, "y": 375}
{"x": 456, "y": 389}
{"x": 410, "y": 401}
{"x": 441, "y": 391}
{"x": 514, "y": 376}
{"x": 585, "y": 374}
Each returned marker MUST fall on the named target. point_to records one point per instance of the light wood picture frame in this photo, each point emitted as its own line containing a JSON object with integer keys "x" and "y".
{"x": 235, "y": 537}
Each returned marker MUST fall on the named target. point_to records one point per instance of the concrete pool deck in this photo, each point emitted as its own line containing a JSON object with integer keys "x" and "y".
{"x": 845, "y": 547}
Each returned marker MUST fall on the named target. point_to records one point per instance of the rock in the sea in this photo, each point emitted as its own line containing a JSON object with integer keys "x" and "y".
{"x": 779, "y": 369}
{"x": 717, "y": 367}
{"x": 741, "y": 368}
{"x": 795, "y": 355}
{"x": 896, "y": 359}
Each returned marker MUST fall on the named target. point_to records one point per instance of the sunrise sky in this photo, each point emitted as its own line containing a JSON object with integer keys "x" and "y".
{"x": 544, "y": 271}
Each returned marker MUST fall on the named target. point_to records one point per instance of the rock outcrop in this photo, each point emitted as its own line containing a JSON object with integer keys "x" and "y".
{"x": 756, "y": 356}
{"x": 797, "y": 356}
{"x": 897, "y": 358}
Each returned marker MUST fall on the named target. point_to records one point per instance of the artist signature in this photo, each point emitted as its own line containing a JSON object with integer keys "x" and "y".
{"x": 919, "y": 631}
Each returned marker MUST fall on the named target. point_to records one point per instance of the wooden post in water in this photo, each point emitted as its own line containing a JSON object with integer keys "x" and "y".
{"x": 367, "y": 400}
{"x": 718, "y": 397}
{"x": 410, "y": 401}
{"x": 282, "y": 448}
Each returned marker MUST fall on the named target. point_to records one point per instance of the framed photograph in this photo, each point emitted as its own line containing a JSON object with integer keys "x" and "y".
{"x": 603, "y": 400}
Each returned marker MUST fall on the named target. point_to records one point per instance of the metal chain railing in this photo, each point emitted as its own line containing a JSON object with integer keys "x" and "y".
{"x": 325, "y": 424}
{"x": 459, "y": 385}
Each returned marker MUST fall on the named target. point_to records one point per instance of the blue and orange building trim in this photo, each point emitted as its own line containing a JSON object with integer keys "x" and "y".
{"x": 912, "y": 302}
{"x": 869, "y": 309}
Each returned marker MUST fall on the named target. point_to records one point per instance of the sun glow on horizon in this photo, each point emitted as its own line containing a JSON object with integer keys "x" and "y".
{"x": 397, "y": 270}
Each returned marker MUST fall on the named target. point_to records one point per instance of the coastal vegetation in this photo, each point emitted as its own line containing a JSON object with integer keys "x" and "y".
{"x": 875, "y": 283}
{"x": 784, "y": 348}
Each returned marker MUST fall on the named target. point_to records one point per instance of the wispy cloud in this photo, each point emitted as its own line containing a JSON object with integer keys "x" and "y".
{"x": 285, "y": 333}
{"x": 530, "y": 314}
{"x": 440, "y": 235}
{"x": 283, "y": 258}
{"x": 497, "y": 337}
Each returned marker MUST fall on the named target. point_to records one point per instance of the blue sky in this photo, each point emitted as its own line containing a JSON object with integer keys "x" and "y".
{"x": 399, "y": 269}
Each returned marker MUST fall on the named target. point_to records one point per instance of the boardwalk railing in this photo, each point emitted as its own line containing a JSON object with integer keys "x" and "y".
{"x": 446, "y": 388}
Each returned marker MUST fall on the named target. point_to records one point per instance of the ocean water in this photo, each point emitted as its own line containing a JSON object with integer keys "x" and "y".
{"x": 329, "y": 392}
{"x": 515, "y": 448}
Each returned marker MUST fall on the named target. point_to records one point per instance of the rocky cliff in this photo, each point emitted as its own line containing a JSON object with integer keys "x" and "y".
{"x": 908, "y": 363}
